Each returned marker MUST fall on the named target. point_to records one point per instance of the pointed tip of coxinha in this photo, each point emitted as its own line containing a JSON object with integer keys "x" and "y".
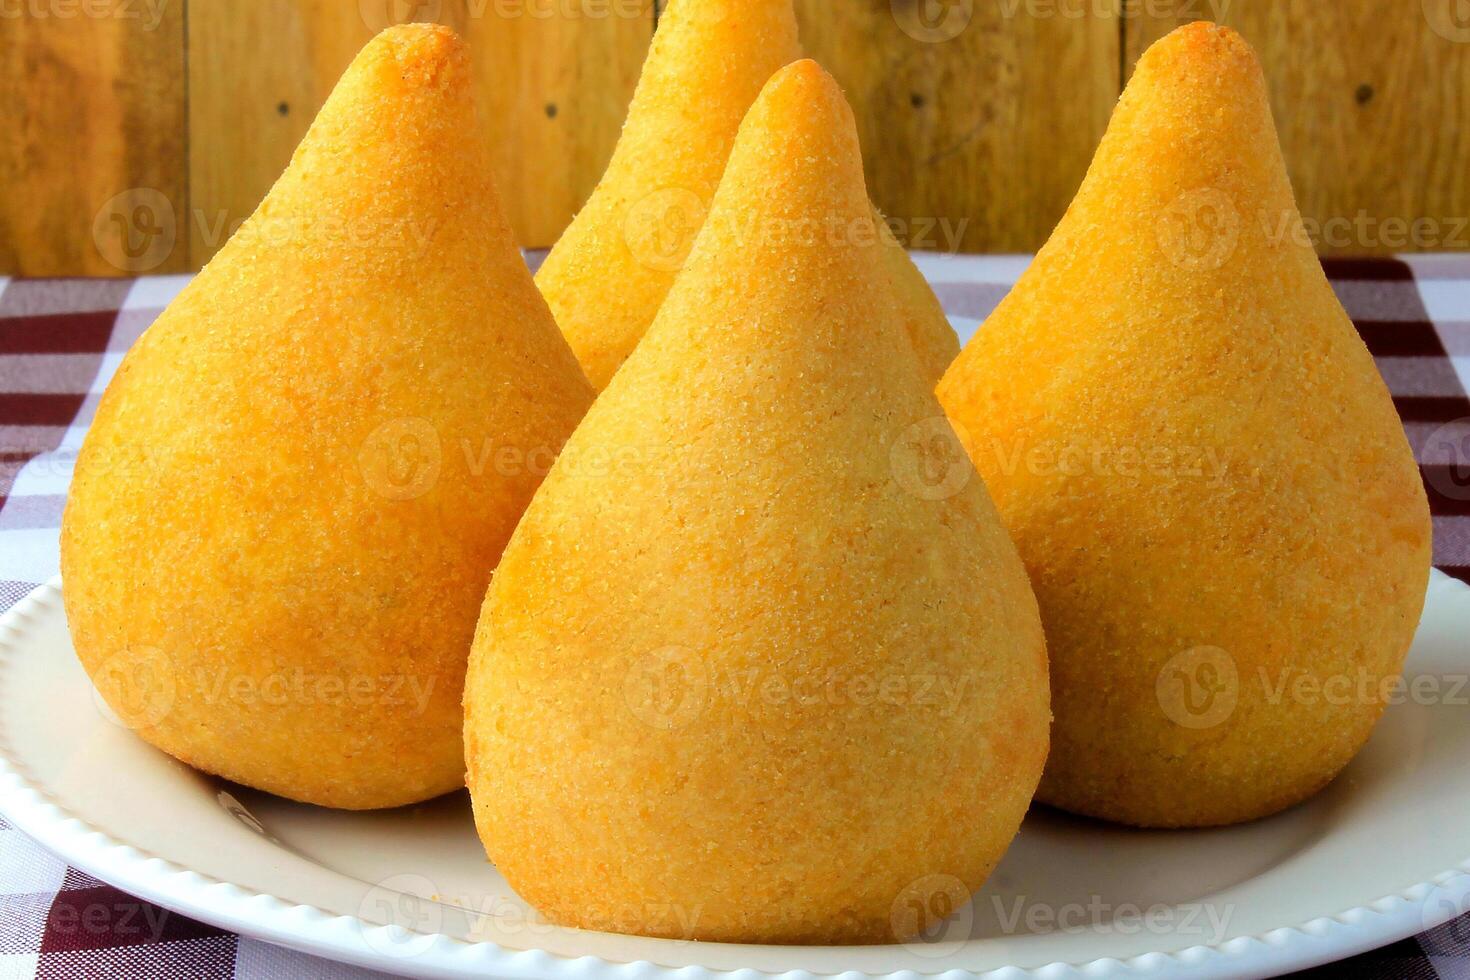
{"x": 609, "y": 272}
{"x": 1187, "y": 197}
{"x": 800, "y": 98}
{"x": 1205, "y": 53}
{"x": 791, "y": 216}
{"x": 806, "y": 108}
{"x": 607, "y": 276}
{"x": 801, "y": 123}
{"x": 1198, "y": 99}
{"x": 400, "y": 69}
{"x": 393, "y": 158}
{"x": 420, "y": 55}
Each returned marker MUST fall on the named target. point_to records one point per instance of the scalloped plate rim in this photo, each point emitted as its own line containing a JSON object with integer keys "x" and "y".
{"x": 260, "y": 915}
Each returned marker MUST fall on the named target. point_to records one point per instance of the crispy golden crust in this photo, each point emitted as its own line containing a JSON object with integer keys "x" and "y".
{"x": 1200, "y": 465}
{"x": 287, "y": 510}
{"x": 750, "y": 682}
{"x": 607, "y": 276}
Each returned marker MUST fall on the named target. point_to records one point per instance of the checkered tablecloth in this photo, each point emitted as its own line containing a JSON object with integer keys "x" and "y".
{"x": 61, "y": 340}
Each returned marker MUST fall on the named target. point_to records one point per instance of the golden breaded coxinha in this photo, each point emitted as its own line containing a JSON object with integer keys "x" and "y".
{"x": 607, "y": 276}
{"x": 288, "y": 508}
{"x": 675, "y": 718}
{"x": 1200, "y": 465}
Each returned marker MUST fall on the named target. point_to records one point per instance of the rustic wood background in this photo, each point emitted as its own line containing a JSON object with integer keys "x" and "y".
{"x": 136, "y": 133}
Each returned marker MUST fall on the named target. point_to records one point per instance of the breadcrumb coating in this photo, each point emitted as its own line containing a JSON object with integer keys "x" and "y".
{"x": 1200, "y": 465}
{"x": 755, "y": 681}
{"x": 287, "y": 510}
{"x": 609, "y": 273}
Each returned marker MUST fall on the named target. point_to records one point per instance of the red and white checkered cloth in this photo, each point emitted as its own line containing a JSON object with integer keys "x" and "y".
{"x": 61, "y": 340}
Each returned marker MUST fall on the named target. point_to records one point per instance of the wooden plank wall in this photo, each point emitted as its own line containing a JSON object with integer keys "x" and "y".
{"x": 972, "y": 116}
{"x": 91, "y": 128}
{"x": 552, "y": 93}
{"x": 1372, "y": 100}
{"x": 135, "y": 138}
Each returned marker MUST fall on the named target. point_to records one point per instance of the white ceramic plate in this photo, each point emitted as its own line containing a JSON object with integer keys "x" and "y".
{"x": 1383, "y": 853}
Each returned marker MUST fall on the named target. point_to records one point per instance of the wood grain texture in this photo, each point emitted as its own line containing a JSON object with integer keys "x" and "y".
{"x": 93, "y": 135}
{"x": 165, "y": 121}
{"x": 983, "y": 115}
{"x": 1372, "y": 100}
{"x": 554, "y": 78}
